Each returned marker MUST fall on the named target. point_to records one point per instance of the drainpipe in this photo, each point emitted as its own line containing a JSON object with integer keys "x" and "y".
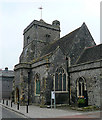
{"x": 68, "y": 65}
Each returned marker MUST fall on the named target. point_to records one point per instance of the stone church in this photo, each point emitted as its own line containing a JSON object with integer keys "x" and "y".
{"x": 70, "y": 65}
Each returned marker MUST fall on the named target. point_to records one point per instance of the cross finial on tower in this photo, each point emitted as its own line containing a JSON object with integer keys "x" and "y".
{"x": 41, "y": 11}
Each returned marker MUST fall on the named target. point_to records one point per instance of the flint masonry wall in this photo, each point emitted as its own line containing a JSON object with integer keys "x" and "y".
{"x": 39, "y": 68}
{"x": 92, "y": 73}
{"x": 21, "y": 82}
{"x": 46, "y": 69}
{"x": 36, "y": 36}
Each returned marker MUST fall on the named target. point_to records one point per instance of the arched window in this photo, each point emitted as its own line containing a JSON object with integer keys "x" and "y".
{"x": 37, "y": 84}
{"x": 81, "y": 86}
{"x": 60, "y": 80}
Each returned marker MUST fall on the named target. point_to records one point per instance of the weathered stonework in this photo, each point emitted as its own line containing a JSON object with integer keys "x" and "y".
{"x": 36, "y": 36}
{"x": 91, "y": 72}
{"x": 6, "y": 83}
{"x": 43, "y": 66}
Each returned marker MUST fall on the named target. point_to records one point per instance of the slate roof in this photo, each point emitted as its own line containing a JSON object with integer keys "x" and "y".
{"x": 65, "y": 43}
{"x": 91, "y": 54}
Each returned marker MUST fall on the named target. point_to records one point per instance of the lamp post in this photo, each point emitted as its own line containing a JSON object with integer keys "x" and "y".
{"x": 68, "y": 64}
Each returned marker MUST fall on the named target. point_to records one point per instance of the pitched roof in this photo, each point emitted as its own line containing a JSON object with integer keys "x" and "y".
{"x": 65, "y": 43}
{"x": 91, "y": 54}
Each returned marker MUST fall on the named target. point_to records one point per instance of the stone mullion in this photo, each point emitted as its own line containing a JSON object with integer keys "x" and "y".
{"x": 58, "y": 81}
{"x": 85, "y": 86}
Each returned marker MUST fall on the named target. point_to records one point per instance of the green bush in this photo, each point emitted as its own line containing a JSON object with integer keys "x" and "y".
{"x": 81, "y": 101}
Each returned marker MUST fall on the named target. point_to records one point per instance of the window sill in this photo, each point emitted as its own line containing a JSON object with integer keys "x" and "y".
{"x": 61, "y": 91}
{"x": 38, "y": 95}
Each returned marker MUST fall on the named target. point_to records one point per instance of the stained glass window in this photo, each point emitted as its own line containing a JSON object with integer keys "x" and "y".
{"x": 38, "y": 87}
{"x": 37, "y": 84}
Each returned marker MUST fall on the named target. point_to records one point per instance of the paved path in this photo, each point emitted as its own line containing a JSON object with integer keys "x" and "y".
{"x": 7, "y": 113}
{"x": 37, "y": 112}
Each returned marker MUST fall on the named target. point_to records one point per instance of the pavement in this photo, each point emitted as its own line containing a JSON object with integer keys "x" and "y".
{"x": 37, "y": 112}
{"x": 6, "y": 113}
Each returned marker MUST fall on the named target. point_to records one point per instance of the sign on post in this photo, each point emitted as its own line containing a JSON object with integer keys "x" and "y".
{"x": 53, "y": 94}
{"x": 53, "y": 97}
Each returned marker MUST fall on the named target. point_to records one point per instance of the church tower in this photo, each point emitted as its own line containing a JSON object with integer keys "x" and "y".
{"x": 36, "y": 36}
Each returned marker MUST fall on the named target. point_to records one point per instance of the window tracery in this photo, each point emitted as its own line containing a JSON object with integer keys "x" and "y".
{"x": 81, "y": 87}
{"x": 60, "y": 80}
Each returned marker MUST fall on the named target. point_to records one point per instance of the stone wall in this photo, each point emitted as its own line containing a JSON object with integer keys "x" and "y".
{"x": 41, "y": 69}
{"x": 91, "y": 72}
{"x": 46, "y": 69}
{"x": 36, "y": 36}
{"x": 21, "y": 82}
{"x": 6, "y": 83}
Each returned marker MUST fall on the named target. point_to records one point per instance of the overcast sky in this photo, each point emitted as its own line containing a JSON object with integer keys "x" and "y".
{"x": 16, "y": 15}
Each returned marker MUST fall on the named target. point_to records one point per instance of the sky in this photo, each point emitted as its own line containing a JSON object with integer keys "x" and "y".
{"x": 16, "y": 15}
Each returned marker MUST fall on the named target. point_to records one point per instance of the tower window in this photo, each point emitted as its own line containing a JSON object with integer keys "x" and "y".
{"x": 28, "y": 39}
{"x": 47, "y": 35}
{"x": 47, "y": 38}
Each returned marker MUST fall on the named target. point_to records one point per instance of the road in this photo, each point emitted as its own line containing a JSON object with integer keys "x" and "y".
{"x": 6, "y": 113}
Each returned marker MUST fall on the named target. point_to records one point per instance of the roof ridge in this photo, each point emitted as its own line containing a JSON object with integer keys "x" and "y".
{"x": 93, "y": 46}
{"x": 70, "y": 32}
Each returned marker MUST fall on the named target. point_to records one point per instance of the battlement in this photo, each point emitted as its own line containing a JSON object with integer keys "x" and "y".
{"x": 37, "y": 35}
{"x": 54, "y": 26}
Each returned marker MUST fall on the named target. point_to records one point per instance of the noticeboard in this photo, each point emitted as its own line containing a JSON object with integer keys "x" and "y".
{"x": 53, "y": 94}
